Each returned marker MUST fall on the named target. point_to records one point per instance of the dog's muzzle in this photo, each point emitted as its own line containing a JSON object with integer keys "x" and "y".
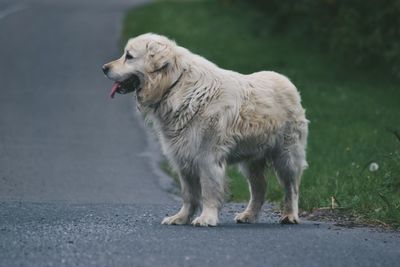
{"x": 127, "y": 86}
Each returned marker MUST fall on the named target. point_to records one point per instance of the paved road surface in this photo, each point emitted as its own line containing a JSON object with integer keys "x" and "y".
{"x": 78, "y": 183}
{"x": 61, "y": 136}
{"x": 131, "y": 235}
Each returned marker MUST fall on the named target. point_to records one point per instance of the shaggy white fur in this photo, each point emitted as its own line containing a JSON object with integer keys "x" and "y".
{"x": 207, "y": 117}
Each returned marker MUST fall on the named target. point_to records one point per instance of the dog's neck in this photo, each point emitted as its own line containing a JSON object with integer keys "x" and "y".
{"x": 179, "y": 107}
{"x": 156, "y": 105}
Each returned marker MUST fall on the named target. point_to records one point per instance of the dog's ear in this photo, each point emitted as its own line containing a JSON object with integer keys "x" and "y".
{"x": 159, "y": 56}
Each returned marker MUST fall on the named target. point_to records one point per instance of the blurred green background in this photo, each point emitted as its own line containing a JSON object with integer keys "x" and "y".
{"x": 344, "y": 57}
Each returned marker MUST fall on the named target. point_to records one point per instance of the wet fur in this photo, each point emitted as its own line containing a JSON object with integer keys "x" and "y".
{"x": 207, "y": 117}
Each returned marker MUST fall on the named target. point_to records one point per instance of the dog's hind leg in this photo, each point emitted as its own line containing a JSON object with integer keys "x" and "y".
{"x": 254, "y": 172}
{"x": 190, "y": 188}
{"x": 212, "y": 180}
{"x": 289, "y": 165}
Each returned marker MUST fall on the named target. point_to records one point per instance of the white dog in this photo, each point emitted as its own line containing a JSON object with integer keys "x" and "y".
{"x": 207, "y": 117}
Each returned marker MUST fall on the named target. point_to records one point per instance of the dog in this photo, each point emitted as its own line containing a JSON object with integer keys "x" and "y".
{"x": 207, "y": 117}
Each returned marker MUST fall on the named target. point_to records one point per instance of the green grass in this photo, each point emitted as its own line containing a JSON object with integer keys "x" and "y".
{"x": 352, "y": 111}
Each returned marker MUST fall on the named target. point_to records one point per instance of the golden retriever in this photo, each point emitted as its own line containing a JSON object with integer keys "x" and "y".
{"x": 207, "y": 117}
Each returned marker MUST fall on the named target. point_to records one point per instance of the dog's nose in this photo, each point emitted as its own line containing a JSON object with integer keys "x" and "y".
{"x": 105, "y": 69}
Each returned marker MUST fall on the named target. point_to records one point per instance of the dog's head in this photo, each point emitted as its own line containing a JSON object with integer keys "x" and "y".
{"x": 148, "y": 66}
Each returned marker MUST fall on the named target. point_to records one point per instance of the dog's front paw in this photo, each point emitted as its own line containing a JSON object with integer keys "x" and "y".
{"x": 176, "y": 219}
{"x": 204, "y": 220}
{"x": 245, "y": 217}
{"x": 289, "y": 219}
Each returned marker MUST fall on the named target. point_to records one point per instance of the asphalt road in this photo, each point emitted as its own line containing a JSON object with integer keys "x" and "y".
{"x": 79, "y": 182}
{"x": 131, "y": 235}
{"x": 61, "y": 137}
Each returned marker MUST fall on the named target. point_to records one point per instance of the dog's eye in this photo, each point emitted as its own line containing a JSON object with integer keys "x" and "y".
{"x": 128, "y": 56}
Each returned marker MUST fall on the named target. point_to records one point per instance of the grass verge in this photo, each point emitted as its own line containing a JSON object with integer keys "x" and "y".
{"x": 354, "y": 114}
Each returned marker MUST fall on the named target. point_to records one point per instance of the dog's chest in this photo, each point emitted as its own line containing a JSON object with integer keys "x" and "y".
{"x": 181, "y": 144}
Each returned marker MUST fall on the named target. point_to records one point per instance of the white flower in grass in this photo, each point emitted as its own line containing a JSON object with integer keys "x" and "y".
{"x": 373, "y": 167}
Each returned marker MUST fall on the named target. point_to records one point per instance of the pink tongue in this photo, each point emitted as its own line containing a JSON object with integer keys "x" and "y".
{"x": 114, "y": 89}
